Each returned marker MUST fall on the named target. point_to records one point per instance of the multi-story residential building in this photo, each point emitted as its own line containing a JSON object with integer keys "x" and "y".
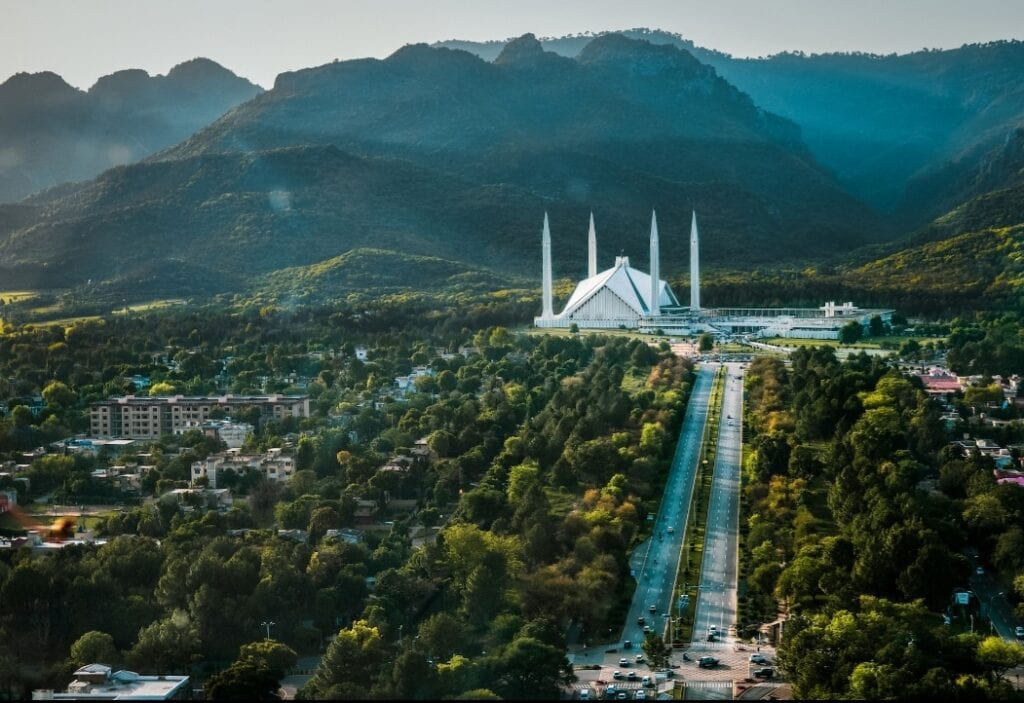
{"x": 274, "y": 465}
{"x": 150, "y": 418}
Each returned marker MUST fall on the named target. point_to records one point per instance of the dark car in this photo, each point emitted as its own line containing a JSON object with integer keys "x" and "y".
{"x": 641, "y": 620}
{"x": 707, "y": 662}
{"x": 764, "y": 673}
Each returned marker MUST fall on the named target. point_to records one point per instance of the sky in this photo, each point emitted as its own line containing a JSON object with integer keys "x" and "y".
{"x": 84, "y": 39}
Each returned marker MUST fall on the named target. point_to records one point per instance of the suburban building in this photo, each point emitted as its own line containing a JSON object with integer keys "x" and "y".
{"x": 152, "y": 417}
{"x": 273, "y": 464}
{"x": 212, "y": 497}
{"x": 233, "y": 434}
{"x": 98, "y": 682}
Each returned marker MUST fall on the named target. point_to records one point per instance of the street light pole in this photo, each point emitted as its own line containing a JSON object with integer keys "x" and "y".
{"x": 268, "y": 624}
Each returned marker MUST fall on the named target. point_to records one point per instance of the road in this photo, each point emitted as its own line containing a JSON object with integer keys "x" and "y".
{"x": 994, "y": 605}
{"x": 655, "y": 564}
{"x": 716, "y": 598}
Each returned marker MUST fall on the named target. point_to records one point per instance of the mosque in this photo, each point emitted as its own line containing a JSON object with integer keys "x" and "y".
{"x": 623, "y": 297}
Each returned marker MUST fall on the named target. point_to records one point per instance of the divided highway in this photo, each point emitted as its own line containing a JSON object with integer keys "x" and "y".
{"x": 655, "y": 567}
{"x": 716, "y": 599}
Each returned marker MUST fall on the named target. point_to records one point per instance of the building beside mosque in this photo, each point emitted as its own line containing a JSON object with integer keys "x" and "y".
{"x": 623, "y": 297}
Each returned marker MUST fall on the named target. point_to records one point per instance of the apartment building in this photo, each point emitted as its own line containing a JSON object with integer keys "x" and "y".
{"x": 274, "y": 466}
{"x": 152, "y": 417}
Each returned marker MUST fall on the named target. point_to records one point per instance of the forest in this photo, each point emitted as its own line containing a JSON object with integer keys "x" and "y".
{"x": 859, "y": 520}
{"x": 546, "y": 453}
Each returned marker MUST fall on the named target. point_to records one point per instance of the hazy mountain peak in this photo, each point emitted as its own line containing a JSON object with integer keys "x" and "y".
{"x": 524, "y": 48}
{"x": 637, "y": 55}
{"x": 130, "y": 79}
{"x": 36, "y": 87}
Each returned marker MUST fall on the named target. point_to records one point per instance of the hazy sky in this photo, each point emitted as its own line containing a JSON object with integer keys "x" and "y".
{"x": 85, "y": 39}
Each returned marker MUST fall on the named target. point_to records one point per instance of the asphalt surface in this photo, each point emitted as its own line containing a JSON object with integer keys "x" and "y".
{"x": 716, "y": 599}
{"x": 994, "y": 605}
{"x": 655, "y": 564}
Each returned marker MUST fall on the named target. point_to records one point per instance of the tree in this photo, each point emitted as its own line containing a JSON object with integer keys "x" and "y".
{"x": 162, "y": 388}
{"x": 876, "y": 327}
{"x": 355, "y": 655}
{"x": 706, "y": 342}
{"x": 168, "y": 645}
{"x": 851, "y": 332}
{"x": 93, "y": 647}
{"x": 528, "y": 668}
{"x": 58, "y": 394}
{"x": 275, "y": 656}
{"x": 657, "y": 650}
{"x": 245, "y": 680}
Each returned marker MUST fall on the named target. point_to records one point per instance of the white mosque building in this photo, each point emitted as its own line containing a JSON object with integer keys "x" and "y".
{"x": 623, "y": 297}
{"x": 620, "y": 296}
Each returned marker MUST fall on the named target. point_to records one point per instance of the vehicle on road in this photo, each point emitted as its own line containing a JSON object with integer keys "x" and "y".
{"x": 1019, "y": 632}
{"x": 616, "y": 675}
{"x": 639, "y": 658}
{"x": 631, "y": 676}
{"x": 671, "y": 529}
{"x": 584, "y": 694}
{"x": 707, "y": 662}
{"x": 647, "y": 629}
{"x": 979, "y": 571}
{"x": 764, "y": 673}
{"x": 622, "y": 696}
{"x": 652, "y": 608}
{"x": 640, "y": 695}
{"x": 759, "y": 659}
{"x": 623, "y": 661}
{"x": 627, "y": 644}
{"x": 641, "y": 620}
{"x": 646, "y": 682}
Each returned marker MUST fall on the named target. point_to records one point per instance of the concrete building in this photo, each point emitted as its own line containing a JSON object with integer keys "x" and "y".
{"x": 98, "y": 682}
{"x": 623, "y": 297}
{"x": 273, "y": 464}
{"x": 150, "y": 418}
{"x": 233, "y": 434}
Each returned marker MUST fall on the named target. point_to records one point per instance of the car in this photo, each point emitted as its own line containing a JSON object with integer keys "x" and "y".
{"x": 711, "y": 637}
{"x": 646, "y": 682}
{"x": 1019, "y": 632}
{"x": 610, "y": 691}
{"x": 639, "y": 658}
{"x": 652, "y": 608}
{"x": 617, "y": 675}
{"x": 584, "y": 694}
{"x": 713, "y": 628}
{"x": 641, "y": 620}
{"x": 631, "y": 676}
{"x": 640, "y": 695}
{"x": 759, "y": 659}
{"x": 671, "y": 529}
{"x": 979, "y": 571}
{"x": 623, "y": 661}
{"x": 647, "y": 629}
{"x": 764, "y": 673}
{"x": 707, "y": 662}
{"x": 627, "y": 645}
{"x": 622, "y": 696}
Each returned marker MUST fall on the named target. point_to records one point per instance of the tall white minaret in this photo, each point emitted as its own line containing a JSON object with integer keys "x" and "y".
{"x": 592, "y": 249}
{"x": 655, "y": 267}
{"x": 694, "y": 265}
{"x": 547, "y": 314}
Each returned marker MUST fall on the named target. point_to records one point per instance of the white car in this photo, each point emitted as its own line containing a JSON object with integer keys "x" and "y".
{"x": 640, "y": 695}
{"x": 1019, "y": 632}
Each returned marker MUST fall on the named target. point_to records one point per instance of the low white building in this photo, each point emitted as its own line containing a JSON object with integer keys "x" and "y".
{"x": 233, "y": 434}
{"x": 98, "y": 682}
{"x": 273, "y": 464}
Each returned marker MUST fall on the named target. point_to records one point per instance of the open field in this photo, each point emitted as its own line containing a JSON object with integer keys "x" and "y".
{"x": 895, "y": 342}
{"x": 17, "y": 296}
{"x": 151, "y": 305}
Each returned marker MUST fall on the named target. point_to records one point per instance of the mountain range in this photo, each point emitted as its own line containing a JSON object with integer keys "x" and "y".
{"x": 51, "y": 132}
{"x": 437, "y": 152}
{"x": 439, "y": 161}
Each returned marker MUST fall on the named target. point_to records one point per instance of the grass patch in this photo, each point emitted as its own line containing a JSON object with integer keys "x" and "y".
{"x": 17, "y": 296}
{"x": 562, "y": 501}
{"x": 151, "y": 305}
{"x": 65, "y": 322}
{"x": 633, "y": 383}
